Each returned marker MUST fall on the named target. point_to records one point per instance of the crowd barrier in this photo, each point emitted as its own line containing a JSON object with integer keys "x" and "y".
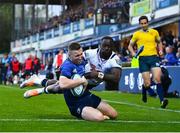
{"x": 131, "y": 80}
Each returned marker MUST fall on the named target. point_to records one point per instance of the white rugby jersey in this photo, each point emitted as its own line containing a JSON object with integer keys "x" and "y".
{"x": 95, "y": 62}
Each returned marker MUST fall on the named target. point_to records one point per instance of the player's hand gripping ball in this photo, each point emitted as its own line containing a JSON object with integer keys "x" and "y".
{"x": 79, "y": 90}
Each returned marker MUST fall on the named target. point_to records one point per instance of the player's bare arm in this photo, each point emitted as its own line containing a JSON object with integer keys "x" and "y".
{"x": 114, "y": 76}
{"x": 160, "y": 46}
{"x": 130, "y": 47}
{"x": 66, "y": 83}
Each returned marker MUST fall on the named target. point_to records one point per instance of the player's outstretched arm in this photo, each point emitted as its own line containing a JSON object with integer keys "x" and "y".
{"x": 114, "y": 75}
{"x": 66, "y": 83}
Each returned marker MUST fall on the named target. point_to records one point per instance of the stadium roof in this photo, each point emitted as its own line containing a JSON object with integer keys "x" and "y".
{"x": 51, "y": 2}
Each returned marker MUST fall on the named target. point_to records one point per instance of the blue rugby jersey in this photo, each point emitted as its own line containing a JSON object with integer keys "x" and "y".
{"x": 68, "y": 69}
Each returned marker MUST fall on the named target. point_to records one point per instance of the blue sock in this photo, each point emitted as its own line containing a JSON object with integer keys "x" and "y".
{"x": 43, "y": 83}
{"x": 45, "y": 90}
{"x": 143, "y": 90}
{"x": 151, "y": 92}
{"x": 153, "y": 83}
{"x": 160, "y": 92}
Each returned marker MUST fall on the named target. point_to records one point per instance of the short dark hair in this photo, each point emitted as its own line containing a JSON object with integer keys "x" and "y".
{"x": 108, "y": 38}
{"x": 74, "y": 46}
{"x": 143, "y": 17}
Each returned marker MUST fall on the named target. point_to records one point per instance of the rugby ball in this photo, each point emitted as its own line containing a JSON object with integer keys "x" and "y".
{"x": 79, "y": 90}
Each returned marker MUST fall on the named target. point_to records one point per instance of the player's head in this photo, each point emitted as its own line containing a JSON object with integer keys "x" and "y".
{"x": 75, "y": 53}
{"x": 106, "y": 47}
{"x": 143, "y": 21}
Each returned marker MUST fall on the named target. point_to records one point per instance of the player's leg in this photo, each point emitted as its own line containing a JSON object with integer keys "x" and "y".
{"x": 107, "y": 110}
{"x": 51, "y": 89}
{"x": 33, "y": 92}
{"x": 156, "y": 71}
{"x": 50, "y": 82}
{"x": 86, "y": 108}
{"x": 93, "y": 109}
{"x": 145, "y": 70}
{"x": 146, "y": 85}
{"x": 92, "y": 114}
{"x": 33, "y": 80}
{"x": 104, "y": 111}
{"x": 151, "y": 92}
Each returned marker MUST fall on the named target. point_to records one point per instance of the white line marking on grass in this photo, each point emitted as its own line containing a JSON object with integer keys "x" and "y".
{"x": 44, "y": 120}
{"x": 143, "y": 107}
{"x": 151, "y": 122}
{"x": 78, "y": 120}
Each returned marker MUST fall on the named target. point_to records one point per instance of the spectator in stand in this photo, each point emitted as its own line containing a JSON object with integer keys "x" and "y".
{"x": 15, "y": 66}
{"x": 5, "y": 64}
{"x": 13, "y": 57}
{"x": 49, "y": 67}
{"x": 37, "y": 65}
{"x": 178, "y": 43}
{"x": 168, "y": 38}
{"x": 175, "y": 41}
{"x": 111, "y": 3}
{"x": 58, "y": 60}
{"x": 169, "y": 59}
{"x": 0, "y": 71}
{"x": 124, "y": 49}
{"x": 28, "y": 66}
{"x": 178, "y": 56}
{"x": 42, "y": 66}
{"x": 90, "y": 12}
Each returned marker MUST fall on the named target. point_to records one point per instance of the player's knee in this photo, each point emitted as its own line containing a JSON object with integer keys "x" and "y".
{"x": 147, "y": 84}
{"x": 114, "y": 115}
{"x": 157, "y": 80}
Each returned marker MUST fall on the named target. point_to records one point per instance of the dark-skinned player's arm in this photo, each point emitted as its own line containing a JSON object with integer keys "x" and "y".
{"x": 113, "y": 76}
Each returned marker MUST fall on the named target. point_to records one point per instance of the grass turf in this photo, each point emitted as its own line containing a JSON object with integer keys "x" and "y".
{"x": 49, "y": 113}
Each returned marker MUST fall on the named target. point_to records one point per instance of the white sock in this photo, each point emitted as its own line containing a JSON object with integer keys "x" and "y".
{"x": 40, "y": 90}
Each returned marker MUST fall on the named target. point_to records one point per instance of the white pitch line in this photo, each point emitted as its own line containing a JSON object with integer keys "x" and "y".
{"x": 78, "y": 120}
{"x": 44, "y": 120}
{"x": 143, "y": 107}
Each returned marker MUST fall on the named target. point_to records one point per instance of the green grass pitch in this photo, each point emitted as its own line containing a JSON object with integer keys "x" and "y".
{"x": 49, "y": 113}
